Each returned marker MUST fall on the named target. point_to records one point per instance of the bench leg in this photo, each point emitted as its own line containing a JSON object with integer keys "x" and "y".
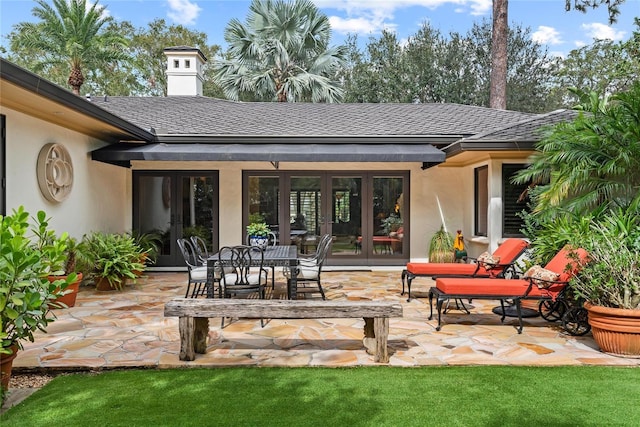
{"x": 193, "y": 336}
{"x": 376, "y": 334}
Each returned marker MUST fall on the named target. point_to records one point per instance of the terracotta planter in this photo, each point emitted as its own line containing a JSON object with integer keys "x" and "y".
{"x": 102, "y": 284}
{"x": 68, "y": 299}
{"x": 615, "y": 330}
{"x": 6, "y": 364}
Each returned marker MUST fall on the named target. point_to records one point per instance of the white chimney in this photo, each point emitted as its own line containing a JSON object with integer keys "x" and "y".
{"x": 184, "y": 70}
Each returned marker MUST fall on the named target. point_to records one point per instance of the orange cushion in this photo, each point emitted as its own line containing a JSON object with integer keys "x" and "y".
{"x": 509, "y": 250}
{"x": 443, "y": 269}
{"x": 566, "y": 266}
{"x": 498, "y": 287}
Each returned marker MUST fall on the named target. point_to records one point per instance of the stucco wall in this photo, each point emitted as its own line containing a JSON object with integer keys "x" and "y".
{"x": 101, "y": 194}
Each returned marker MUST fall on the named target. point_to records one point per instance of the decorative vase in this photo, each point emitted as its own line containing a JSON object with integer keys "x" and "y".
{"x": 6, "y": 364}
{"x": 259, "y": 241}
{"x": 68, "y": 299}
{"x": 615, "y": 330}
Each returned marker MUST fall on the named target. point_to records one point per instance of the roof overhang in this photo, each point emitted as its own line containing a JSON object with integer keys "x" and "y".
{"x": 28, "y": 93}
{"x": 462, "y": 147}
{"x": 122, "y": 154}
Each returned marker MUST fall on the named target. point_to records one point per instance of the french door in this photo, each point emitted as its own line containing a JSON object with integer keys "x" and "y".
{"x": 363, "y": 211}
{"x": 175, "y": 204}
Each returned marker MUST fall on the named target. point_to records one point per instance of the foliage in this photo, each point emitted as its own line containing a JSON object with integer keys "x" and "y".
{"x": 586, "y": 395}
{"x": 112, "y": 256}
{"x": 612, "y": 276}
{"x": 69, "y": 37}
{"x": 25, "y": 263}
{"x": 258, "y": 229}
{"x": 613, "y": 7}
{"x": 281, "y": 54}
{"x": 431, "y": 67}
{"x": 605, "y": 67}
{"x": 391, "y": 223}
{"x": 441, "y": 246}
{"x": 592, "y": 161}
{"x": 149, "y": 242}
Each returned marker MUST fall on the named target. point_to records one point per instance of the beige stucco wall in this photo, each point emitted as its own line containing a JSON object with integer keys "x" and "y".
{"x": 101, "y": 194}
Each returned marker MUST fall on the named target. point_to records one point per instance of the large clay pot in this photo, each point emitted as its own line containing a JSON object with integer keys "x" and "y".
{"x": 615, "y": 330}
{"x": 6, "y": 364}
{"x": 69, "y": 299}
{"x": 102, "y": 284}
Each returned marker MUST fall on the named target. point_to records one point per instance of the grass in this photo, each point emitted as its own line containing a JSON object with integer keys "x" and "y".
{"x": 379, "y": 396}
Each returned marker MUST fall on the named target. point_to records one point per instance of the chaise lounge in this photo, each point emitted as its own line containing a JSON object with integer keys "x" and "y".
{"x": 505, "y": 256}
{"x": 536, "y": 284}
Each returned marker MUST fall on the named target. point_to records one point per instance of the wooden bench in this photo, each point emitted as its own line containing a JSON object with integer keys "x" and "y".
{"x": 194, "y": 317}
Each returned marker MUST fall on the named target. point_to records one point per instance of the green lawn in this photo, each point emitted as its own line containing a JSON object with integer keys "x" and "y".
{"x": 379, "y": 396}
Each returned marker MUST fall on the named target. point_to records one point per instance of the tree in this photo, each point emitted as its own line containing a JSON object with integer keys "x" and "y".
{"x": 282, "y": 53}
{"x": 498, "y": 89}
{"x": 584, "y": 5}
{"x": 592, "y": 161}
{"x": 69, "y": 38}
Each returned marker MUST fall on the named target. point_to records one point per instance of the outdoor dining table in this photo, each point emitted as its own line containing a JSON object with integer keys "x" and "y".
{"x": 274, "y": 256}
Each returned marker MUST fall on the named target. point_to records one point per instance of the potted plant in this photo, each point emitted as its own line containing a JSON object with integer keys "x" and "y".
{"x": 68, "y": 262}
{"x": 150, "y": 244}
{"x": 113, "y": 257}
{"x": 258, "y": 233}
{"x": 26, "y": 294}
{"x": 441, "y": 247}
{"x": 610, "y": 282}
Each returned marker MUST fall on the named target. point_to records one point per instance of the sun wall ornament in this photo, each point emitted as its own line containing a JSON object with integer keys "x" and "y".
{"x": 55, "y": 172}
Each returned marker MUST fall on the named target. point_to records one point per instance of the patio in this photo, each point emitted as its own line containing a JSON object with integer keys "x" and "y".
{"x": 128, "y": 329}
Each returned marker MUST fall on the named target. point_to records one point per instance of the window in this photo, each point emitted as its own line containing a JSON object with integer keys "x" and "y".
{"x": 514, "y": 201}
{"x": 481, "y": 202}
{"x": 187, "y": 63}
{"x": 176, "y": 63}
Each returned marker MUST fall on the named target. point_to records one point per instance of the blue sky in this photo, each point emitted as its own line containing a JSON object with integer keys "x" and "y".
{"x": 551, "y": 25}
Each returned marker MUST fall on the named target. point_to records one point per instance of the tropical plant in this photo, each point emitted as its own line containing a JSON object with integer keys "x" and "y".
{"x": 612, "y": 276}
{"x": 28, "y": 254}
{"x": 441, "y": 247}
{"x": 113, "y": 257}
{"x": 149, "y": 242}
{"x": 281, "y": 54}
{"x": 258, "y": 229}
{"x": 70, "y": 36}
{"x": 589, "y": 162}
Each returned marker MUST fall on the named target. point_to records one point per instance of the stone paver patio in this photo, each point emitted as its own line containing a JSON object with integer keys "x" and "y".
{"x": 128, "y": 329}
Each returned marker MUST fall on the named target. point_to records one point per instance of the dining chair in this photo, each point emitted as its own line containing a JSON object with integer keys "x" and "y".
{"x": 243, "y": 272}
{"x": 272, "y": 241}
{"x": 201, "y": 249}
{"x": 197, "y": 271}
{"x": 310, "y": 268}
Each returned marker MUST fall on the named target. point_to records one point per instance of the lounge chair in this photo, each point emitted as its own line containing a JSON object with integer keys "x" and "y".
{"x": 564, "y": 265}
{"x": 507, "y": 253}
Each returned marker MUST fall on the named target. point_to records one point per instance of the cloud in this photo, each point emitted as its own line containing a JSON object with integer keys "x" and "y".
{"x": 183, "y": 12}
{"x": 599, "y": 31}
{"x": 367, "y": 16}
{"x": 546, "y": 35}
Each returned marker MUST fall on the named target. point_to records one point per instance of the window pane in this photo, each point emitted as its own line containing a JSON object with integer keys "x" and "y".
{"x": 512, "y": 202}
{"x": 264, "y": 201}
{"x": 388, "y": 211}
{"x": 481, "y": 180}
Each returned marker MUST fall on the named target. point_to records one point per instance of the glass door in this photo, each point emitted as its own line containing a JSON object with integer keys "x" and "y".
{"x": 346, "y": 216}
{"x": 174, "y": 205}
{"x": 307, "y": 218}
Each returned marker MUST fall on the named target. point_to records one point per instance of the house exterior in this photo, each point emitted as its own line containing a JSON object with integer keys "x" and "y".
{"x": 381, "y": 178}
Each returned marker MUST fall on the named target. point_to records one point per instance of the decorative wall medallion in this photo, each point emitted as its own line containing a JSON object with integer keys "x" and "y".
{"x": 55, "y": 172}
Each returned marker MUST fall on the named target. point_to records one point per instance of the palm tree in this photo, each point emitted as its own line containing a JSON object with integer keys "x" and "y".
{"x": 590, "y": 163}
{"x": 282, "y": 53}
{"x": 70, "y": 35}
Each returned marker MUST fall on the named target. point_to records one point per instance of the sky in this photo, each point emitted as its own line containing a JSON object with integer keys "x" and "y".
{"x": 550, "y": 24}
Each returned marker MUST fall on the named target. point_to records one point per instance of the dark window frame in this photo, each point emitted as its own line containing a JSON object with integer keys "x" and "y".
{"x": 480, "y": 213}
{"x": 512, "y": 223}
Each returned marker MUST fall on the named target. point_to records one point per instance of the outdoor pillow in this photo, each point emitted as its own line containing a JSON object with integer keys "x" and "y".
{"x": 488, "y": 261}
{"x": 545, "y": 277}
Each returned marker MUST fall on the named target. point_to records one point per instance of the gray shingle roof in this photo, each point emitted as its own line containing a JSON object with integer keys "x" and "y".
{"x": 184, "y": 115}
{"x": 528, "y": 130}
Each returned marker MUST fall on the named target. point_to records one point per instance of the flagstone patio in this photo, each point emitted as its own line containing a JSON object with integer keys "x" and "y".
{"x": 128, "y": 329}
